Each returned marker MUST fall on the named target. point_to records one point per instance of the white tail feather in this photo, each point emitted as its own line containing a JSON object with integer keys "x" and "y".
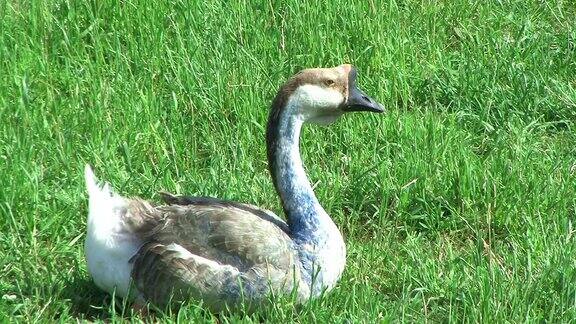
{"x": 104, "y": 204}
{"x": 90, "y": 179}
{"x": 94, "y": 190}
{"x": 108, "y": 245}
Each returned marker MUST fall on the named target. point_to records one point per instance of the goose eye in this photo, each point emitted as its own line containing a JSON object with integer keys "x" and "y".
{"x": 329, "y": 82}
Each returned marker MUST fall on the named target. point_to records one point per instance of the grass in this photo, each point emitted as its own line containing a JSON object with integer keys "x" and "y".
{"x": 458, "y": 205}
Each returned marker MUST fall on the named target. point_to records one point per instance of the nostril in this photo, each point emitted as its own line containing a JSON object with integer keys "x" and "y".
{"x": 366, "y": 98}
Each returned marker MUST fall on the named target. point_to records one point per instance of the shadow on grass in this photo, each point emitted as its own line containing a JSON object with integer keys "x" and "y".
{"x": 87, "y": 301}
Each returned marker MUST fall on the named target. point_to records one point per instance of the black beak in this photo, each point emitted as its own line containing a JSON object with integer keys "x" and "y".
{"x": 358, "y": 100}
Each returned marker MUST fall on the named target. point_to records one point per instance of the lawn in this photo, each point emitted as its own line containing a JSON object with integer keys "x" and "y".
{"x": 457, "y": 205}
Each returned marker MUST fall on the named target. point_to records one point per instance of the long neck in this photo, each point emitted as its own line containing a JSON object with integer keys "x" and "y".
{"x": 319, "y": 243}
{"x": 307, "y": 220}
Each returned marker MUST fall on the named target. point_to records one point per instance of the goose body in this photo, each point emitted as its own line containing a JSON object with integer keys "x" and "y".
{"x": 225, "y": 253}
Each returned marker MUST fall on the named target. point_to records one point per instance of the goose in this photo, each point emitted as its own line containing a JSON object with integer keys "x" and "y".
{"x": 225, "y": 254}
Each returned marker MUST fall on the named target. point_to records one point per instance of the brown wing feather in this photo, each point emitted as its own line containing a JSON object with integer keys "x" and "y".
{"x": 228, "y": 247}
{"x": 164, "y": 274}
{"x": 210, "y": 201}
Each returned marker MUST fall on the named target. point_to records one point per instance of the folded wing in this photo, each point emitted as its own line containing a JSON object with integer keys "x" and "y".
{"x": 220, "y": 252}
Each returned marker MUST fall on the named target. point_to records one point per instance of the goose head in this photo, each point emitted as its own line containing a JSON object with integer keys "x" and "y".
{"x": 322, "y": 95}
